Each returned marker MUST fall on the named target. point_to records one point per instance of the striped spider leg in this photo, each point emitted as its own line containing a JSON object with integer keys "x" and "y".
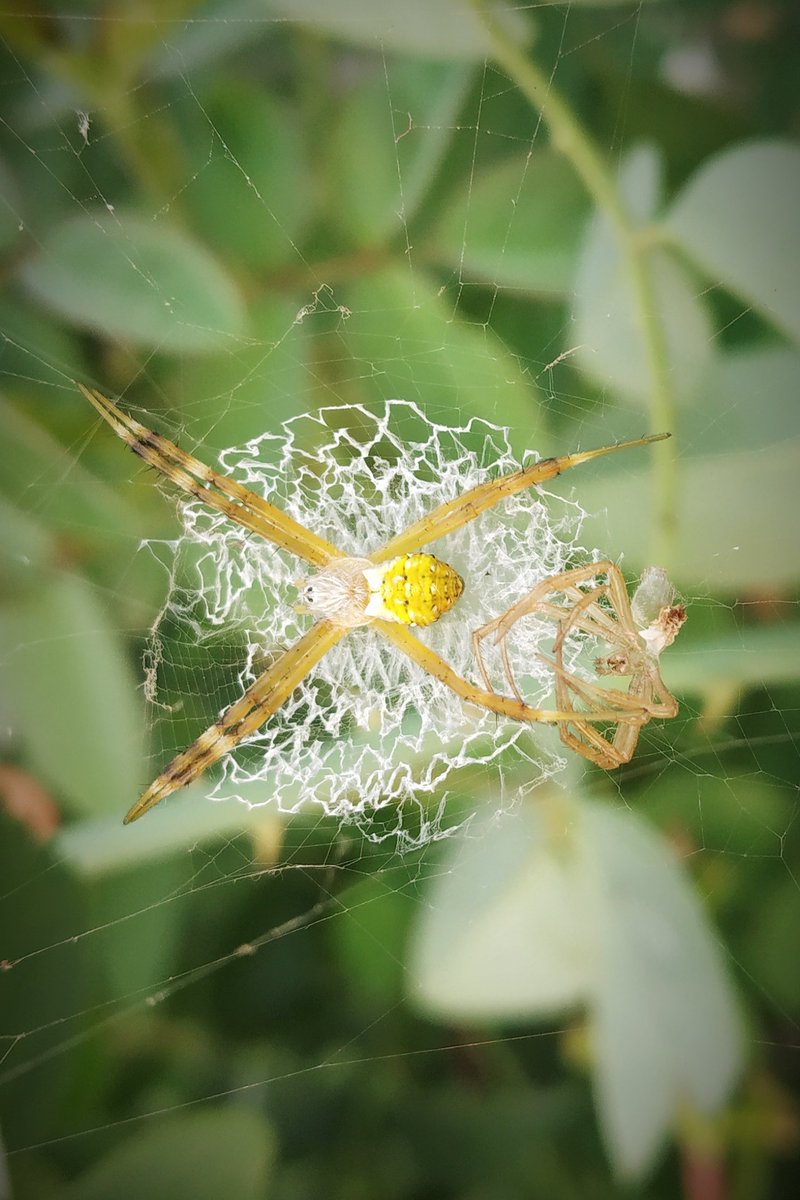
{"x": 577, "y": 601}
{"x": 391, "y": 589}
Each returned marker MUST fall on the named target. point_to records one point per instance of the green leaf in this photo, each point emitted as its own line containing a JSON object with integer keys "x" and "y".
{"x": 769, "y": 952}
{"x": 225, "y": 1152}
{"x": 418, "y": 349}
{"x": 11, "y": 223}
{"x": 753, "y": 656}
{"x": 100, "y": 846}
{"x": 391, "y": 137}
{"x": 749, "y": 399}
{"x": 518, "y": 225}
{"x": 251, "y": 192}
{"x": 505, "y": 931}
{"x": 32, "y": 462}
{"x": 737, "y": 219}
{"x": 216, "y": 29}
{"x": 607, "y": 321}
{"x": 737, "y": 525}
{"x": 735, "y": 815}
{"x": 371, "y": 935}
{"x": 52, "y": 914}
{"x": 666, "y": 1031}
{"x": 564, "y": 902}
{"x": 26, "y": 549}
{"x": 136, "y": 281}
{"x": 236, "y": 395}
{"x": 446, "y": 29}
{"x": 36, "y": 349}
{"x": 71, "y": 695}
{"x": 138, "y": 954}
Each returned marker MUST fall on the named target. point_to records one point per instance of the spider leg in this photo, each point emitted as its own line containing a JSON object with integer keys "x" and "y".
{"x": 455, "y": 513}
{"x": 225, "y": 495}
{"x": 599, "y": 623}
{"x": 259, "y": 702}
{"x": 504, "y": 706}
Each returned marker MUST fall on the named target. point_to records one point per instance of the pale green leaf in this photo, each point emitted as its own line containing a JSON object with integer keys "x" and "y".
{"x": 607, "y": 329}
{"x": 216, "y": 29}
{"x": 518, "y": 225}
{"x": 98, "y": 846}
{"x": 139, "y": 281}
{"x": 71, "y": 695}
{"x": 737, "y": 220}
{"x": 736, "y": 518}
{"x": 748, "y": 399}
{"x": 563, "y": 902}
{"x": 444, "y": 29}
{"x": 504, "y": 932}
{"x": 666, "y": 1029}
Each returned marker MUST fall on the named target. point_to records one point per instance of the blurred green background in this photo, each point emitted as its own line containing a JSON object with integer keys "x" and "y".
{"x": 576, "y": 221}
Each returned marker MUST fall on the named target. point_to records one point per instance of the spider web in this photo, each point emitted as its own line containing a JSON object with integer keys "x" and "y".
{"x": 368, "y": 730}
{"x": 420, "y": 297}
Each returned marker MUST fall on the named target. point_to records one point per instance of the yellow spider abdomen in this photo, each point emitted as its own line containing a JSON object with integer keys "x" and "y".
{"x": 416, "y": 589}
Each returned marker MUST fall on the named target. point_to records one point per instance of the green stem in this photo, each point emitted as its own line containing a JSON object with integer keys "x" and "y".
{"x": 574, "y": 142}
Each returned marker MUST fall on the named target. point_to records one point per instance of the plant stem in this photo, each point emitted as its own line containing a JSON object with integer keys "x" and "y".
{"x": 573, "y": 141}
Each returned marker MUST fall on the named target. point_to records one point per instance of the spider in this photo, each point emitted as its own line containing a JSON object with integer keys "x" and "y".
{"x": 626, "y": 626}
{"x": 392, "y": 589}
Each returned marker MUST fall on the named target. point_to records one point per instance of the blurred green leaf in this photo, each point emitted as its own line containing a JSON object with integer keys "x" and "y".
{"x": 735, "y": 815}
{"x": 44, "y": 480}
{"x": 98, "y": 846}
{"x": 737, "y": 219}
{"x": 215, "y": 29}
{"x": 26, "y": 549}
{"x": 391, "y": 137}
{"x": 132, "y": 279}
{"x": 137, "y": 917}
{"x": 251, "y": 192}
{"x": 11, "y": 223}
{"x": 518, "y": 225}
{"x": 446, "y": 29}
{"x": 565, "y": 902}
{"x": 72, "y": 695}
{"x": 227, "y": 399}
{"x": 419, "y": 349}
{"x": 505, "y": 932}
{"x": 747, "y": 399}
{"x": 42, "y": 910}
{"x": 205, "y": 1155}
{"x": 665, "y": 1027}
{"x": 607, "y": 331}
{"x": 754, "y": 656}
{"x": 736, "y": 518}
{"x": 36, "y": 349}
{"x": 371, "y": 937}
{"x": 769, "y": 949}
